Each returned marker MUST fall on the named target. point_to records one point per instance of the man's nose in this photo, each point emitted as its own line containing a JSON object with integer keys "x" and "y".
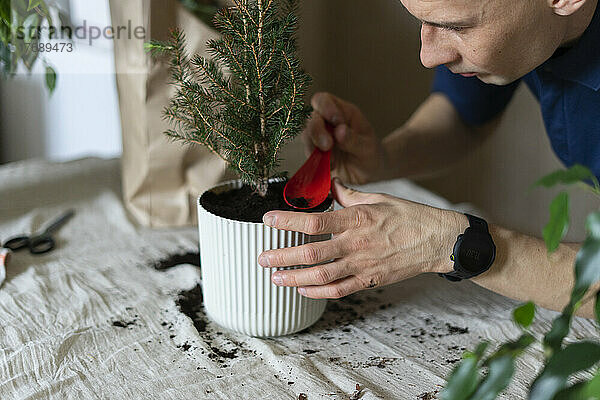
{"x": 435, "y": 49}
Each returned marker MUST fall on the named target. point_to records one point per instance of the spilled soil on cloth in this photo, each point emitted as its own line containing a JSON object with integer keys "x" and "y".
{"x": 173, "y": 260}
{"x": 222, "y": 348}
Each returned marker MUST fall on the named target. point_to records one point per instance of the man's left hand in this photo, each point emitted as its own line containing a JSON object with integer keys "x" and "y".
{"x": 377, "y": 240}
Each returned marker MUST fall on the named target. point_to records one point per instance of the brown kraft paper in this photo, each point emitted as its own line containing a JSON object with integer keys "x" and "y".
{"x": 161, "y": 179}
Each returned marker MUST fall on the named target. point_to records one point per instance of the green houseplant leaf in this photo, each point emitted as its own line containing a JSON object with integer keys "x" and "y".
{"x": 587, "y": 267}
{"x": 33, "y": 4}
{"x": 500, "y": 373}
{"x": 561, "y": 363}
{"x": 587, "y": 272}
{"x": 587, "y": 264}
{"x": 597, "y": 307}
{"x": 463, "y": 380}
{"x": 593, "y": 225}
{"x": 19, "y": 23}
{"x": 576, "y": 173}
{"x": 5, "y": 12}
{"x": 560, "y": 328}
{"x": 50, "y": 79}
{"x": 501, "y": 368}
{"x": 465, "y": 376}
{"x": 558, "y": 225}
{"x": 578, "y": 391}
{"x": 29, "y": 24}
{"x": 512, "y": 348}
{"x": 523, "y": 315}
{"x": 592, "y": 388}
{"x": 579, "y": 356}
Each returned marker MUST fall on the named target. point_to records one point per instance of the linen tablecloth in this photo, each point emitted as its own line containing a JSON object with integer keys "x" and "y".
{"x": 115, "y": 312}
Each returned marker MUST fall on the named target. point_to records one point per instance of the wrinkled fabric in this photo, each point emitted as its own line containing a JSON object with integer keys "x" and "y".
{"x": 100, "y": 317}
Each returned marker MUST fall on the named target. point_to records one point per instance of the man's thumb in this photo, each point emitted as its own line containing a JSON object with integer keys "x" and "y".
{"x": 345, "y": 196}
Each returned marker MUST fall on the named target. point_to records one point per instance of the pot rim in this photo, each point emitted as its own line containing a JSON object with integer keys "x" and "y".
{"x": 232, "y": 182}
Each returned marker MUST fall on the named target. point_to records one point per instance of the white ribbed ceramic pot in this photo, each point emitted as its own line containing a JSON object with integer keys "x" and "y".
{"x": 238, "y": 292}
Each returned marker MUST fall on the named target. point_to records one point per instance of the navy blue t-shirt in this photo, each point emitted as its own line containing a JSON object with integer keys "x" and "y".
{"x": 567, "y": 87}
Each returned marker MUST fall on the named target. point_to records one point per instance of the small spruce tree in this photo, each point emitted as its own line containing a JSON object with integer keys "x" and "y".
{"x": 246, "y": 100}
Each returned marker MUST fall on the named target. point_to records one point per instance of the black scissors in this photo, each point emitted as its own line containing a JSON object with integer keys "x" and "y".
{"x": 42, "y": 242}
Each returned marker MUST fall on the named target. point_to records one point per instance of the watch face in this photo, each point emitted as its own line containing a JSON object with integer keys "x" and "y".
{"x": 475, "y": 252}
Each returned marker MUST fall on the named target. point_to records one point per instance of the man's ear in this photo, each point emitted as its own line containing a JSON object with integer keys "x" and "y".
{"x": 566, "y": 7}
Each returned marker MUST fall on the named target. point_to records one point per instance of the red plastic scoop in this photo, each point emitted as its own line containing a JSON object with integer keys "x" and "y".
{"x": 310, "y": 186}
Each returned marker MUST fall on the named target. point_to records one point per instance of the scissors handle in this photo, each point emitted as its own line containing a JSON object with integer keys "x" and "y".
{"x": 41, "y": 244}
{"x": 63, "y": 219}
{"x": 17, "y": 243}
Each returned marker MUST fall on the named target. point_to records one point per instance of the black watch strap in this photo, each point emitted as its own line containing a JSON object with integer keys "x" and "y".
{"x": 477, "y": 224}
{"x": 480, "y": 226}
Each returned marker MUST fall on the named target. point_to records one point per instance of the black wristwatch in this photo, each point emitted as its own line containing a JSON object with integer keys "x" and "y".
{"x": 474, "y": 251}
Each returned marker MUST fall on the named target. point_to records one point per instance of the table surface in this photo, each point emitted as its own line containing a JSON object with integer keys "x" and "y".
{"x": 115, "y": 312}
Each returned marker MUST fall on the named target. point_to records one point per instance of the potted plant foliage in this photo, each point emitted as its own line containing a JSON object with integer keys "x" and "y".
{"x": 20, "y": 40}
{"x": 571, "y": 368}
{"x": 244, "y": 103}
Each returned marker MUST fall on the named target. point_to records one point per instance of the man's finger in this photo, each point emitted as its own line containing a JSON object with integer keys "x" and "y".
{"x": 307, "y": 254}
{"x": 311, "y": 224}
{"x": 348, "y": 140}
{"x": 329, "y": 107}
{"x": 318, "y": 134}
{"x": 334, "y": 290}
{"x": 314, "y": 276}
{"x": 348, "y": 197}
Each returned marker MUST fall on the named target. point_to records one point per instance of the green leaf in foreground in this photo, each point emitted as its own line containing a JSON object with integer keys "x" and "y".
{"x": 479, "y": 350}
{"x": 593, "y": 387}
{"x": 576, "y": 173}
{"x": 500, "y": 373}
{"x": 513, "y": 348}
{"x": 50, "y": 79}
{"x": 597, "y": 307}
{"x": 579, "y": 356}
{"x": 560, "y": 328}
{"x": 33, "y": 4}
{"x": 463, "y": 380}
{"x": 587, "y": 268}
{"x": 592, "y": 225}
{"x": 577, "y": 391}
{"x": 5, "y": 12}
{"x": 557, "y": 227}
{"x": 30, "y": 25}
{"x": 587, "y": 273}
{"x": 523, "y": 315}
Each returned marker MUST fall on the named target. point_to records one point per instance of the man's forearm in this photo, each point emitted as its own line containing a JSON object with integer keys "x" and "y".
{"x": 524, "y": 271}
{"x": 432, "y": 139}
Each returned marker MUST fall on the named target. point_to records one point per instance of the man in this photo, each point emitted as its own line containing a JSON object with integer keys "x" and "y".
{"x": 554, "y": 47}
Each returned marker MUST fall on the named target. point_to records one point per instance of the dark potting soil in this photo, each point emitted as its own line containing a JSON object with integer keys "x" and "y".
{"x": 123, "y": 324}
{"x": 172, "y": 260}
{"x": 299, "y": 202}
{"x": 428, "y": 395}
{"x": 245, "y": 205}
{"x": 190, "y": 303}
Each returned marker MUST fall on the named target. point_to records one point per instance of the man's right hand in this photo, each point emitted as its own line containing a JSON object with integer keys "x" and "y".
{"x": 357, "y": 155}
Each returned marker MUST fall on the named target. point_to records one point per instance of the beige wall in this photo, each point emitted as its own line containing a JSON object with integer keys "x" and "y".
{"x": 367, "y": 51}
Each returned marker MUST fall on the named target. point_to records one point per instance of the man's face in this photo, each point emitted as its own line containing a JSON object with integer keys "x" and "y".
{"x": 497, "y": 40}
